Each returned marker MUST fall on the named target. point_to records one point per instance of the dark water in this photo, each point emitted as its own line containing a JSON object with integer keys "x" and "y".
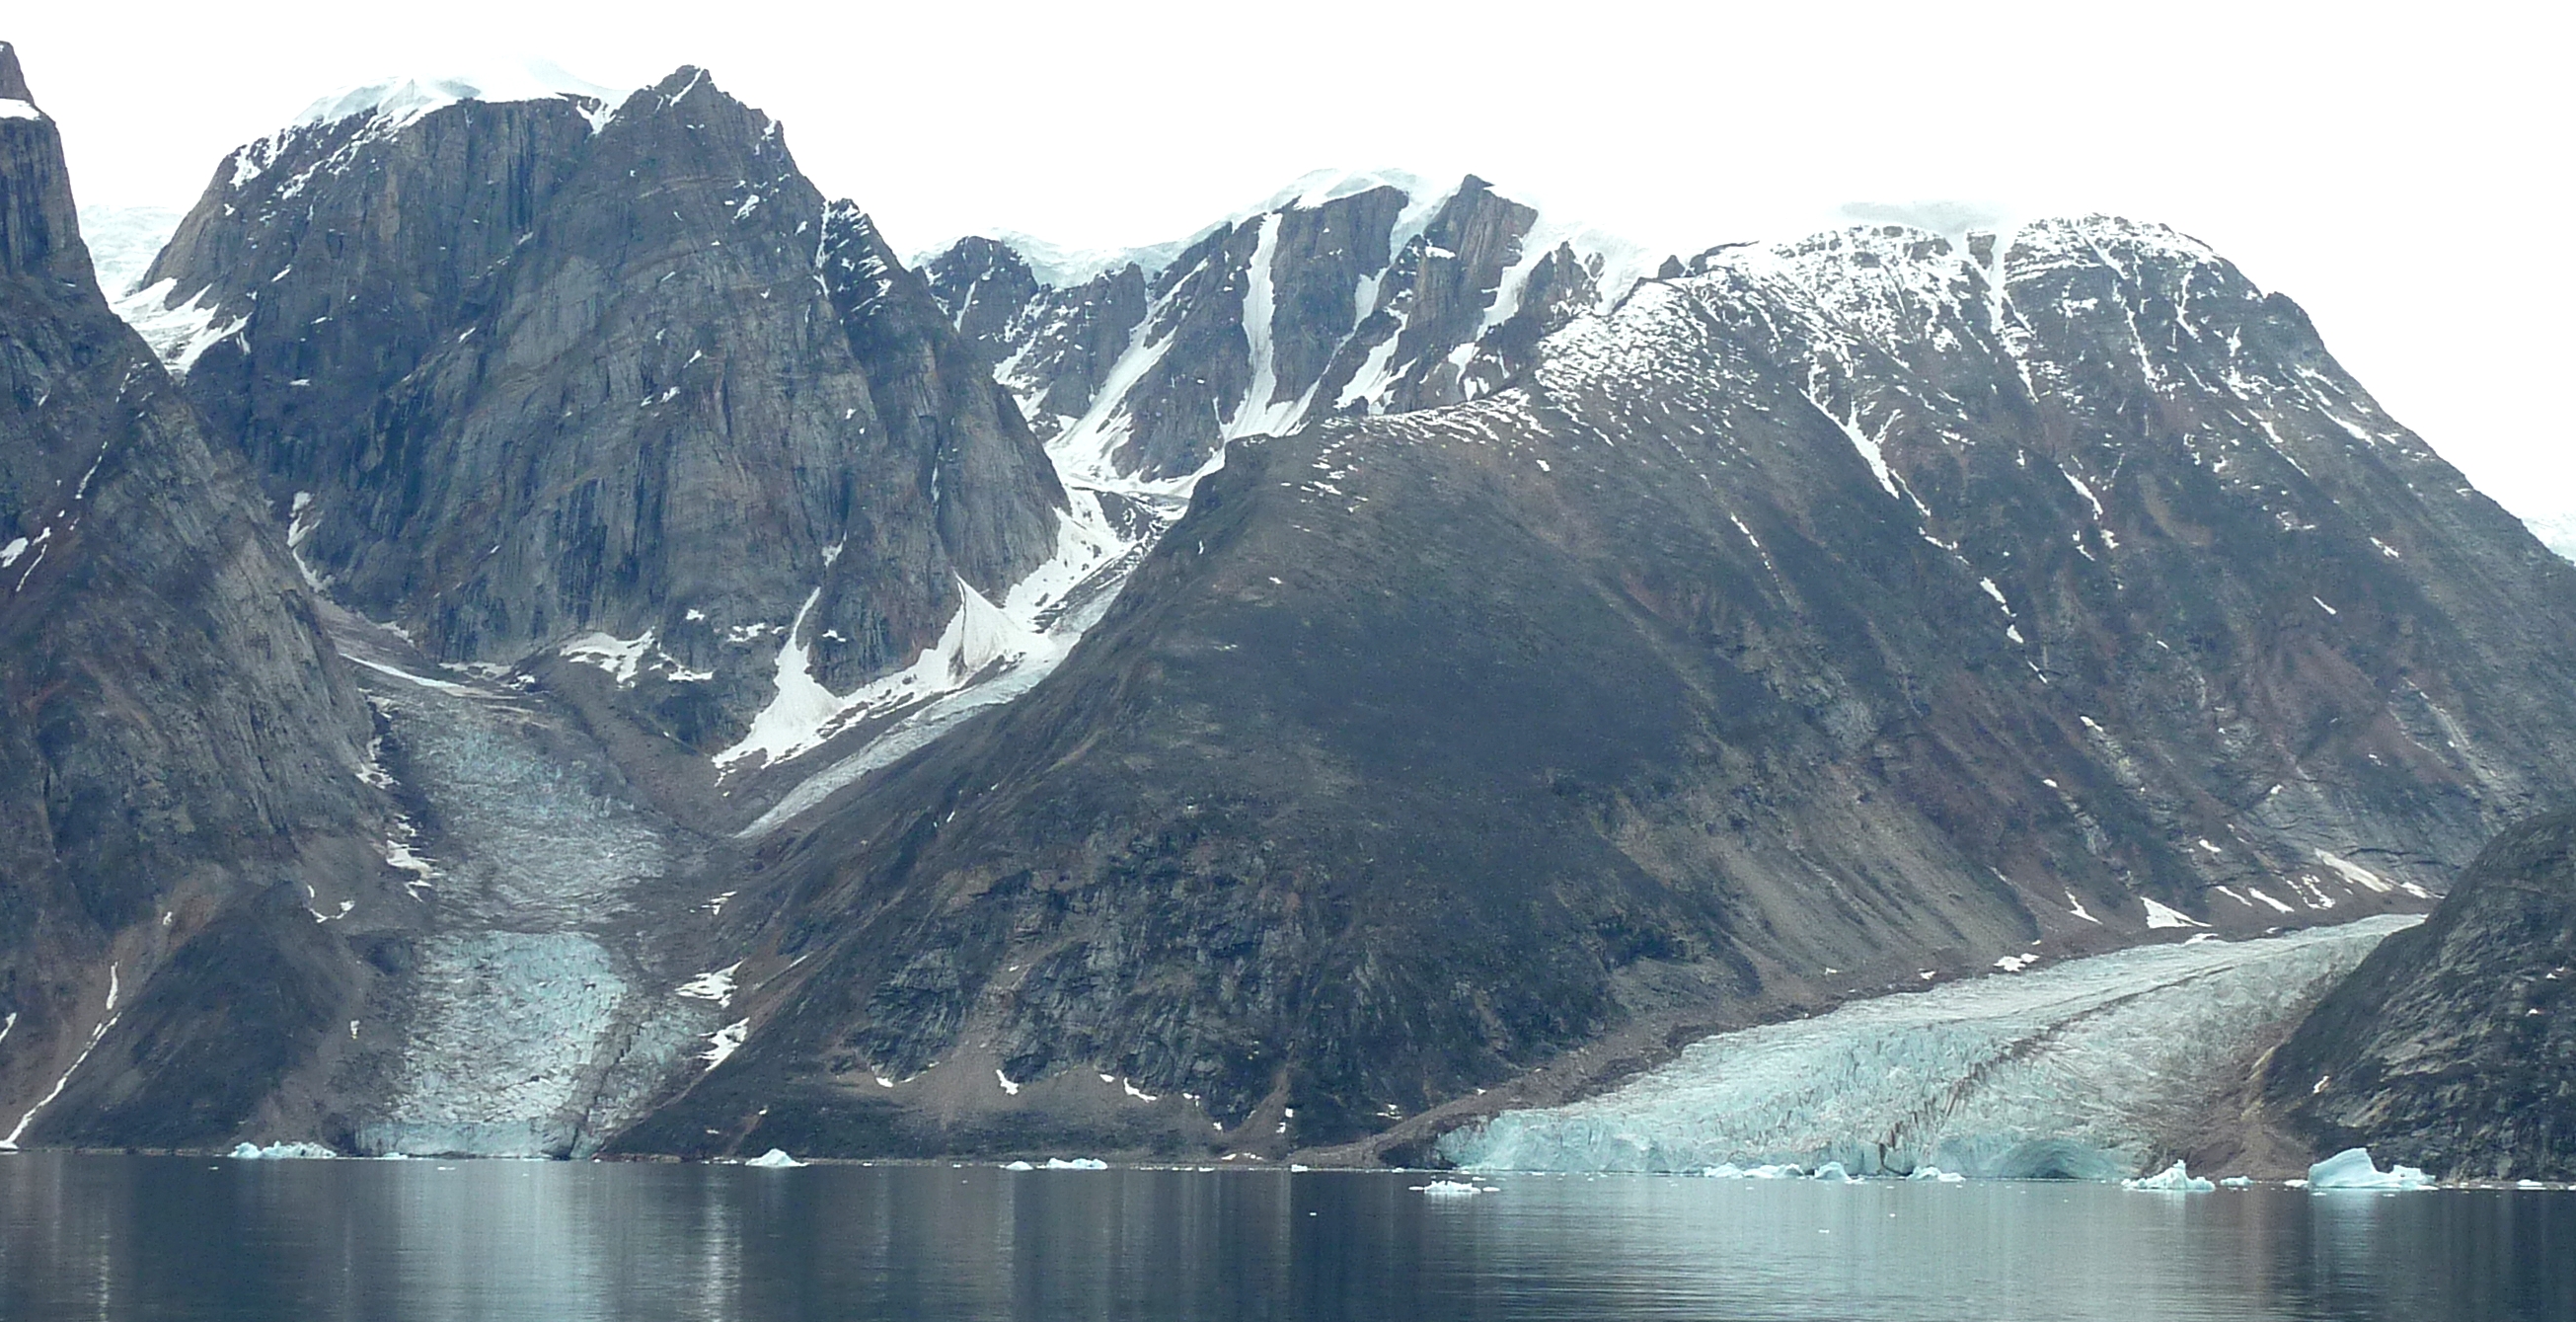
{"x": 175, "y": 1238}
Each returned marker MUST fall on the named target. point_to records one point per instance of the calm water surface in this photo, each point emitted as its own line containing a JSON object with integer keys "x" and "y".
{"x": 177, "y": 1238}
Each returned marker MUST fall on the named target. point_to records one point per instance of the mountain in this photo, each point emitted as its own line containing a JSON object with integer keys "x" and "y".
{"x": 1818, "y": 617}
{"x": 550, "y": 382}
{"x": 2451, "y": 1047}
{"x": 188, "y": 824}
{"x": 1251, "y": 695}
{"x": 1367, "y": 293}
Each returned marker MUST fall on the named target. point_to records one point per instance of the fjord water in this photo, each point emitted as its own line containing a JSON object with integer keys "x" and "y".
{"x": 180, "y": 1238}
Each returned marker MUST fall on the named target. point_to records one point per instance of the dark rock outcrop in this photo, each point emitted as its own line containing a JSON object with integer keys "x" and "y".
{"x": 1825, "y": 614}
{"x": 181, "y": 791}
{"x": 537, "y": 373}
{"x": 2453, "y": 1047}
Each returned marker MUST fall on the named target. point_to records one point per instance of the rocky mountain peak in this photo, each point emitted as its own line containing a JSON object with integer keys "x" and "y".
{"x": 39, "y": 229}
{"x": 603, "y": 385}
{"x": 13, "y": 80}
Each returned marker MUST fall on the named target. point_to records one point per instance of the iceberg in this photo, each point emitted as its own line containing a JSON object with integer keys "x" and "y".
{"x": 2069, "y": 1071}
{"x": 282, "y": 1152}
{"x": 775, "y": 1159}
{"x": 1077, "y": 1164}
{"x": 1019, "y": 1166}
{"x": 2352, "y": 1168}
{"x": 1451, "y": 1189}
{"x": 2172, "y": 1179}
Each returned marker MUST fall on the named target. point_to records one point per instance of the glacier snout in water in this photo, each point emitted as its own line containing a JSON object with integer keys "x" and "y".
{"x": 2072, "y": 1072}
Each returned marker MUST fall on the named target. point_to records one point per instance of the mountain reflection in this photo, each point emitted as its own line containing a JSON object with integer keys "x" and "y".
{"x": 179, "y": 1238}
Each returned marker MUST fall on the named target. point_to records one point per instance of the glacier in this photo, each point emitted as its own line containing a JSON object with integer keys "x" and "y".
{"x": 2080, "y": 1071}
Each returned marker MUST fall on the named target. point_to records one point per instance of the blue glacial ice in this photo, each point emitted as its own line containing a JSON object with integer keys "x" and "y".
{"x": 2078, "y": 1071}
{"x": 2353, "y": 1168}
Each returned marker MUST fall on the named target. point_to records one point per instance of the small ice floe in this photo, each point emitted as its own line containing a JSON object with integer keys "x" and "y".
{"x": 1937, "y": 1175}
{"x": 2172, "y": 1179}
{"x": 1452, "y": 1189}
{"x": 1833, "y": 1170}
{"x": 283, "y": 1152}
{"x": 2352, "y": 1168}
{"x": 1077, "y": 1164}
{"x": 1731, "y": 1171}
{"x": 776, "y": 1159}
{"x": 1019, "y": 1166}
{"x": 2237, "y": 1182}
{"x": 2529, "y": 1184}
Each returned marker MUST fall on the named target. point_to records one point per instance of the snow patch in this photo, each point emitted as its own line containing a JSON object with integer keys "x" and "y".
{"x": 2355, "y": 873}
{"x": 716, "y": 986}
{"x": 2159, "y": 916}
{"x": 722, "y": 1043}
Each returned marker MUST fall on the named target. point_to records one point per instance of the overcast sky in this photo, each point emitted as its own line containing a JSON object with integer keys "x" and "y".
{"x": 2400, "y": 174}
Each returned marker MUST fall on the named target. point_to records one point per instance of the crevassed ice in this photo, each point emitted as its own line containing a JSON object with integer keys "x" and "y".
{"x": 2072, "y": 1072}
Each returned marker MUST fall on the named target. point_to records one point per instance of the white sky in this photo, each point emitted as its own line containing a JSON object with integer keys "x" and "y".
{"x": 2401, "y": 175}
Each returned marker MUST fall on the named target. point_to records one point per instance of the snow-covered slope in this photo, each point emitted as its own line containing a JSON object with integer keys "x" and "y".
{"x": 2085, "y": 1070}
{"x": 399, "y": 99}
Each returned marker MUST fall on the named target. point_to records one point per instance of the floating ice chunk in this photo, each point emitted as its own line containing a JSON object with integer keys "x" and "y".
{"x": 283, "y": 1152}
{"x": 1077, "y": 1164}
{"x": 2352, "y": 1168}
{"x": 2237, "y": 1182}
{"x": 1723, "y": 1171}
{"x": 1832, "y": 1170}
{"x": 1451, "y": 1189}
{"x": 1937, "y": 1175}
{"x": 775, "y": 1159}
{"x": 2172, "y": 1179}
{"x": 1019, "y": 1166}
{"x": 1777, "y": 1172}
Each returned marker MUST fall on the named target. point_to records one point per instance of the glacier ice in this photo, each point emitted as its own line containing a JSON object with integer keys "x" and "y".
{"x": 775, "y": 1159}
{"x": 2353, "y": 1168}
{"x": 282, "y": 1152}
{"x": 2072, "y": 1071}
{"x": 2175, "y": 1178}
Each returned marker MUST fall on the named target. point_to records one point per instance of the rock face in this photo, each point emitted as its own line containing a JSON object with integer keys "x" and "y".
{"x": 550, "y": 376}
{"x": 1823, "y": 616}
{"x": 181, "y": 792}
{"x": 2453, "y": 1047}
{"x": 1347, "y": 294}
